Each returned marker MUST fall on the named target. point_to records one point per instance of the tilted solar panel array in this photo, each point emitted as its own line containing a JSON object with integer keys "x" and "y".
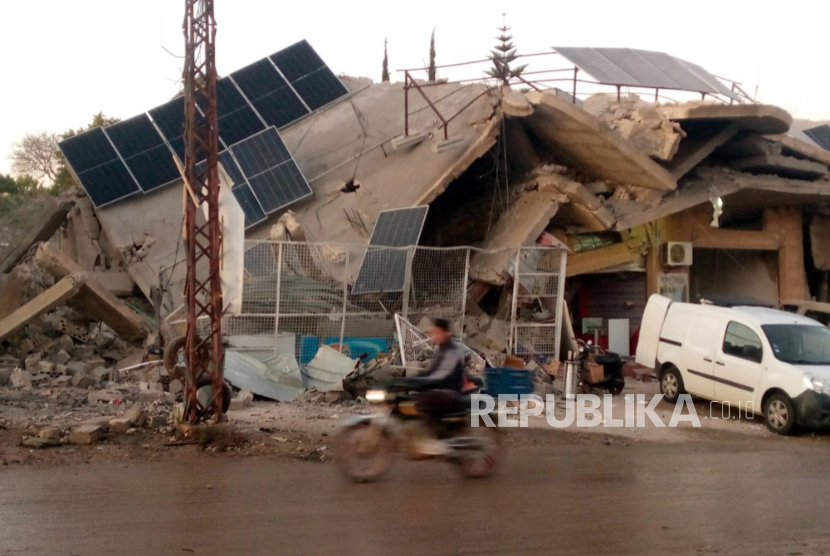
{"x": 136, "y": 155}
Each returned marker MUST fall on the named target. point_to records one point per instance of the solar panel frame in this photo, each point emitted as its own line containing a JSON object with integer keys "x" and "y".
{"x": 383, "y": 269}
{"x": 281, "y": 107}
{"x": 169, "y": 119}
{"x": 258, "y": 79}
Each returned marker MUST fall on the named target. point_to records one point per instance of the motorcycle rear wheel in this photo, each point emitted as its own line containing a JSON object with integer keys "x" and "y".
{"x": 476, "y": 464}
{"x": 364, "y": 453}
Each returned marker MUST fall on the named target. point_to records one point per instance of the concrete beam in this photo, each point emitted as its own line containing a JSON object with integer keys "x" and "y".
{"x": 44, "y": 228}
{"x": 522, "y": 224}
{"x": 605, "y": 257}
{"x": 693, "y": 150}
{"x": 792, "y": 276}
{"x": 52, "y": 298}
{"x": 581, "y": 141}
{"x": 758, "y": 118}
{"x": 94, "y": 298}
{"x": 786, "y": 166}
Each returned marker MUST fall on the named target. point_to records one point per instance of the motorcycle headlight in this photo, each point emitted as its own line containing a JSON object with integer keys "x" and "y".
{"x": 376, "y": 396}
{"x": 816, "y": 384}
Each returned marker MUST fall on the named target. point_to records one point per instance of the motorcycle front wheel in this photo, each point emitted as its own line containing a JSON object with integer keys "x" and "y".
{"x": 364, "y": 452}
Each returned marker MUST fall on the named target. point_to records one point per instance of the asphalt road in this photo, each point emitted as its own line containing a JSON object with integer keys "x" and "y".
{"x": 767, "y": 497}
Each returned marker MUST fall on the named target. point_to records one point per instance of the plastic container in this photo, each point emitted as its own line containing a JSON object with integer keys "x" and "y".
{"x": 502, "y": 380}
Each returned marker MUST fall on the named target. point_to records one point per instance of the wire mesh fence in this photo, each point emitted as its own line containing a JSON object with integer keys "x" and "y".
{"x": 346, "y": 296}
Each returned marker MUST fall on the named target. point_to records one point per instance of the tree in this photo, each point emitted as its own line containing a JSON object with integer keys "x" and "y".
{"x": 37, "y": 159}
{"x": 37, "y": 154}
{"x": 431, "y": 69}
{"x": 502, "y": 55}
{"x": 384, "y": 76}
{"x": 18, "y": 187}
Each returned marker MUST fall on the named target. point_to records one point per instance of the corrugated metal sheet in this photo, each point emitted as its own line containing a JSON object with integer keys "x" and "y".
{"x": 644, "y": 68}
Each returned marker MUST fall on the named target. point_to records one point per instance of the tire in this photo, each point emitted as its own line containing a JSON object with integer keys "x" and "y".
{"x": 171, "y": 357}
{"x": 779, "y": 414}
{"x": 477, "y": 464}
{"x": 204, "y": 382}
{"x": 671, "y": 384}
{"x": 617, "y": 387}
{"x": 363, "y": 453}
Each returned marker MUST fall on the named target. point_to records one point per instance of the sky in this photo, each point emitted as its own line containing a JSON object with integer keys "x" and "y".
{"x": 63, "y": 61}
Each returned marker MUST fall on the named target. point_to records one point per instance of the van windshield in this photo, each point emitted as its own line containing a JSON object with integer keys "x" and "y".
{"x": 799, "y": 344}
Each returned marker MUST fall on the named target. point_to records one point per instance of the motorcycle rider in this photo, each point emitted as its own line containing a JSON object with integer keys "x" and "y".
{"x": 440, "y": 385}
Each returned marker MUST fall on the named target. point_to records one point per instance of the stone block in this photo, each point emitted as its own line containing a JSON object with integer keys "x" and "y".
{"x": 101, "y": 374}
{"x": 156, "y": 422}
{"x": 52, "y": 433}
{"x": 32, "y": 363}
{"x": 120, "y": 425}
{"x": 83, "y": 381}
{"x": 86, "y": 434}
{"x": 62, "y": 357}
{"x": 77, "y": 367}
{"x": 136, "y": 415}
{"x": 104, "y": 396}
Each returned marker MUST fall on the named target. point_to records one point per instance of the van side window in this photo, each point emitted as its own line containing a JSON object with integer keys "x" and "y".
{"x": 741, "y": 341}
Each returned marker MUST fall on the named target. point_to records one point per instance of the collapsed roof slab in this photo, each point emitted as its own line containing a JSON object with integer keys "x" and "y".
{"x": 758, "y": 118}
{"x": 585, "y": 143}
{"x": 522, "y": 224}
{"x": 794, "y": 146}
{"x": 695, "y": 148}
{"x": 352, "y": 140}
{"x": 780, "y": 165}
{"x": 724, "y": 183}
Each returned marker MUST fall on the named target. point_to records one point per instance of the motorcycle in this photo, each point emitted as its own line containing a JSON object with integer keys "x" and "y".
{"x": 613, "y": 380}
{"x": 366, "y": 445}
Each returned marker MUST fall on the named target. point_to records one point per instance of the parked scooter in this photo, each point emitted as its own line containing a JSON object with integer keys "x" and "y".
{"x": 613, "y": 380}
{"x": 366, "y": 445}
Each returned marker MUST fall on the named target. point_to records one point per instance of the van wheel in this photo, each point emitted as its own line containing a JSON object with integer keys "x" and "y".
{"x": 671, "y": 384}
{"x": 779, "y": 414}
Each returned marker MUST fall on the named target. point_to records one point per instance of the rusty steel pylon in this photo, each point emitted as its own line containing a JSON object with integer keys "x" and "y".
{"x": 204, "y": 354}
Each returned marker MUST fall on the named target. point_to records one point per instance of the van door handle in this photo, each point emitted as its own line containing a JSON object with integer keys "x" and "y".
{"x": 707, "y": 359}
{"x": 721, "y": 363}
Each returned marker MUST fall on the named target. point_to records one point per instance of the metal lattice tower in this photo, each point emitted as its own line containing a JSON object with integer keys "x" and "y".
{"x": 204, "y": 356}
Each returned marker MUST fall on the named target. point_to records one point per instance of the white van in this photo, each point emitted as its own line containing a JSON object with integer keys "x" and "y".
{"x": 752, "y": 358}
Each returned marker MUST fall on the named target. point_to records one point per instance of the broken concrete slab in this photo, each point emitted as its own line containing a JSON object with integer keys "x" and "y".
{"x": 757, "y": 118}
{"x": 39, "y": 443}
{"x": 86, "y": 434}
{"x": 583, "y": 142}
{"x": 136, "y": 415}
{"x": 52, "y": 433}
{"x": 242, "y": 400}
{"x": 92, "y": 297}
{"x": 794, "y": 146}
{"x": 696, "y": 147}
{"x": 524, "y": 221}
{"x": 44, "y": 228}
{"x": 52, "y": 298}
{"x": 119, "y": 425}
{"x": 780, "y": 165}
{"x": 120, "y": 284}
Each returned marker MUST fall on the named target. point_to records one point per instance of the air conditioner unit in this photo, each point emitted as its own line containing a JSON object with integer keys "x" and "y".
{"x": 677, "y": 253}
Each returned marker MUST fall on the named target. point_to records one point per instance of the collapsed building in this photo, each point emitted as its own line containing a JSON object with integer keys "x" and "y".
{"x": 518, "y": 212}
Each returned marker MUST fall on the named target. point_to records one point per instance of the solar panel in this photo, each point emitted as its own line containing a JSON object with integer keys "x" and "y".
{"x": 100, "y": 170}
{"x": 239, "y": 124}
{"x": 108, "y": 182}
{"x": 280, "y": 107}
{"x": 260, "y": 152}
{"x": 821, "y": 135}
{"x": 258, "y": 79}
{"x": 384, "y": 270}
{"x": 250, "y": 206}
{"x": 169, "y": 118}
{"x": 643, "y": 68}
{"x": 144, "y": 151}
{"x": 88, "y": 150}
{"x": 319, "y": 88}
{"x": 297, "y": 60}
{"x": 280, "y": 186}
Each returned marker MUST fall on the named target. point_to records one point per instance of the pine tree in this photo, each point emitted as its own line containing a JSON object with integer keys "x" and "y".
{"x": 384, "y": 76}
{"x": 431, "y": 69}
{"x": 502, "y": 55}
